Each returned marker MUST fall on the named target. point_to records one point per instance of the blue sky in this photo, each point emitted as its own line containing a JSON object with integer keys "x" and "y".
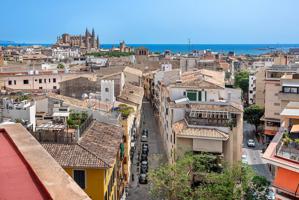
{"x": 153, "y": 21}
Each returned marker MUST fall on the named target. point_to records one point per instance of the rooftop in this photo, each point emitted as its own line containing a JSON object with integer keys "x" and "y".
{"x": 132, "y": 93}
{"x": 182, "y": 129}
{"x": 97, "y": 147}
{"x": 29, "y": 172}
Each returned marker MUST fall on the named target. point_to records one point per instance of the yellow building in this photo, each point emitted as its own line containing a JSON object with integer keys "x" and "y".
{"x": 95, "y": 161}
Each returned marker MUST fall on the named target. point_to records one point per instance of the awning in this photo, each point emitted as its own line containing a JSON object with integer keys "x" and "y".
{"x": 295, "y": 128}
{"x": 270, "y": 132}
{"x": 287, "y": 180}
{"x": 290, "y": 112}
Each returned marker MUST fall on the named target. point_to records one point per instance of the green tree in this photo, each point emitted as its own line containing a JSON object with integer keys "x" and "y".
{"x": 258, "y": 189}
{"x": 201, "y": 177}
{"x": 242, "y": 81}
{"x": 253, "y": 114}
{"x": 60, "y": 66}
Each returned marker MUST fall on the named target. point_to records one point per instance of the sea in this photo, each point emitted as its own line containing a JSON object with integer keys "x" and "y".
{"x": 239, "y": 49}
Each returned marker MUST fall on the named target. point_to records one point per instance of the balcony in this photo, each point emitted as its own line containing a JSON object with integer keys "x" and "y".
{"x": 288, "y": 146}
{"x": 211, "y": 119}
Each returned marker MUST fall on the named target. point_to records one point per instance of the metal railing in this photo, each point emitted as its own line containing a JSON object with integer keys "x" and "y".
{"x": 209, "y": 121}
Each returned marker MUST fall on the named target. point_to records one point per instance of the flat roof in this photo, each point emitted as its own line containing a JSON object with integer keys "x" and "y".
{"x": 29, "y": 172}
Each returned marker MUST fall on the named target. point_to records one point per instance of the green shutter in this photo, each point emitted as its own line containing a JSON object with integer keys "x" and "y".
{"x": 199, "y": 96}
{"x": 191, "y": 95}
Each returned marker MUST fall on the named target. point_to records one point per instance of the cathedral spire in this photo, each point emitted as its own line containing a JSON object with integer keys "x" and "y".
{"x": 93, "y": 33}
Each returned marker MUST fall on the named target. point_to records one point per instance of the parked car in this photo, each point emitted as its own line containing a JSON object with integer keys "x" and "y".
{"x": 144, "y": 157}
{"x": 144, "y": 151}
{"x": 133, "y": 146}
{"x": 251, "y": 143}
{"x": 145, "y": 132}
{"x": 244, "y": 159}
{"x": 143, "y": 169}
{"x": 143, "y": 138}
{"x": 145, "y": 146}
{"x": 144, "y": 163}
{"x": 143, "y": 179}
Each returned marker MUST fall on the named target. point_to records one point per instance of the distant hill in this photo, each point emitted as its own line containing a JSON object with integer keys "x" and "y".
{"x": 6, "y": 42}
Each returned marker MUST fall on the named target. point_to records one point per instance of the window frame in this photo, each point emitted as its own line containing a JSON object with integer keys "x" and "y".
{"x": 85, "y": 177}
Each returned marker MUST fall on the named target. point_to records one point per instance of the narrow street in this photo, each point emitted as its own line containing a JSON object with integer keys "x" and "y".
{"x": 254, "y": 155}
{"x": 156, "y": 155}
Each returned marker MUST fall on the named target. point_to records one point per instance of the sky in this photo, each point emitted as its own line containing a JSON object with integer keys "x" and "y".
{"x": 153, "y": 21}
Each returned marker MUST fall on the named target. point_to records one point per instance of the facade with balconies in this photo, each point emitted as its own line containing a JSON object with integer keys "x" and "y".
{"x": 282, "y": 154}
{"x": 198, "y": 114}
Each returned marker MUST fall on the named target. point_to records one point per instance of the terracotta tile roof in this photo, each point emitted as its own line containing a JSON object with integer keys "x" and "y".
{"x": 182, "y": 130}
{"x": 132, "y": 93}
{"x": 73, "y": 155}
{"x": 97, "y": 147}
{"x": 103, "y": 140}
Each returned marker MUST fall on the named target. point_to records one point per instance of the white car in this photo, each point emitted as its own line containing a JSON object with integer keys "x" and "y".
{"x": 244, "y": 159}
{"x": 251, "y": 143}
{"x": 143, "y": 138}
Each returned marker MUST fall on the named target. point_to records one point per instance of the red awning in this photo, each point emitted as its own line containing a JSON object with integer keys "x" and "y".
{"x": 270, "y": 132}
{"x": 287, "y": 180}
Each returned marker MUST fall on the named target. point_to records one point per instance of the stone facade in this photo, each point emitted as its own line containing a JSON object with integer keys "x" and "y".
{"x": 87, "y": 41}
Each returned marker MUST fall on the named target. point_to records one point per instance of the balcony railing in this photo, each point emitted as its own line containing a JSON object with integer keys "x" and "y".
{"x": 288, "y": 149}
{"x": 210, "y": 121}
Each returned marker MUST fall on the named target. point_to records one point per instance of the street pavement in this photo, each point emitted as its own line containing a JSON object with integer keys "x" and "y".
{"x": 156, "y": 156}
{"x": 254, "y": 155}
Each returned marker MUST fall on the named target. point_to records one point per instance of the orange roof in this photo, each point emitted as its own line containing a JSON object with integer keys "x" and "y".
{"x": 287, "y": 180}
{"x": 269, "y": 132}
{"x": 295, "y": 128}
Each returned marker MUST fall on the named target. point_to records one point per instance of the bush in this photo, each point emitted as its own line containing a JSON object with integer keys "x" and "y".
{"x": 125, "y": 110}
{"x": 110, "y": 54}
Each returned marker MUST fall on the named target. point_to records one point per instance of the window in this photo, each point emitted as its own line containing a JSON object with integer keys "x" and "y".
{"x": 199, "y": 96}
{"x": 79, "y": 177}
{"x": 54, "y": 87}
{"x": 45, "y": 80}
{"x": 192, "y": 95}
{"x": 54, "y": 80}
{"x": 286, "y": 89}
{"x": 294, "y": 90}
{"x": 40, "y": 80}
{"x": 166, "y": 111}
{"x": 15, "y": 82}
{"x": 9, "y": 82}
{"x": 106, "y": 89}
{"x": 26, "y": 81}
{"x": 40, "y": 88}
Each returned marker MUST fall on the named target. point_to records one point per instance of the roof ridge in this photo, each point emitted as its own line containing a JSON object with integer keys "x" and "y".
{"x": 93, "y": 154}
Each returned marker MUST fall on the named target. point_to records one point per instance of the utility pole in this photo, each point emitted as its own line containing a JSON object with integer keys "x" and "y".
{"x": 189, "y": 45}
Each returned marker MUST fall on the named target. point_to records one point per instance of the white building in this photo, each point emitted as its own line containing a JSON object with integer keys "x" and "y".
{"x": 23, "y": 111}
{"x": 107, "y": 91}
{"x": 252, "y": 89}
{"x": 197, "y": 113}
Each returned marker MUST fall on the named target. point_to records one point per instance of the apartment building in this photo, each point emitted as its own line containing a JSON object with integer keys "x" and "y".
{"x": 252, "y": 89}
{"x": 273, "y": 93}
{"x": 29, "y": 172}
{"x": 198, "y": 114}
{"x": 282, "y": 154}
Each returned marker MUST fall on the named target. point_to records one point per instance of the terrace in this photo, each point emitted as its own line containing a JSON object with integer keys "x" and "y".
{"x": 288, "y": 146}
{"x": 210, "y": 118}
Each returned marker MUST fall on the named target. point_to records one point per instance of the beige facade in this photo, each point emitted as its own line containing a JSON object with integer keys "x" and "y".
{"x": 260, "y": 87}
{"x": 277, "y": 77}
{"x": 198, "y": 114}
